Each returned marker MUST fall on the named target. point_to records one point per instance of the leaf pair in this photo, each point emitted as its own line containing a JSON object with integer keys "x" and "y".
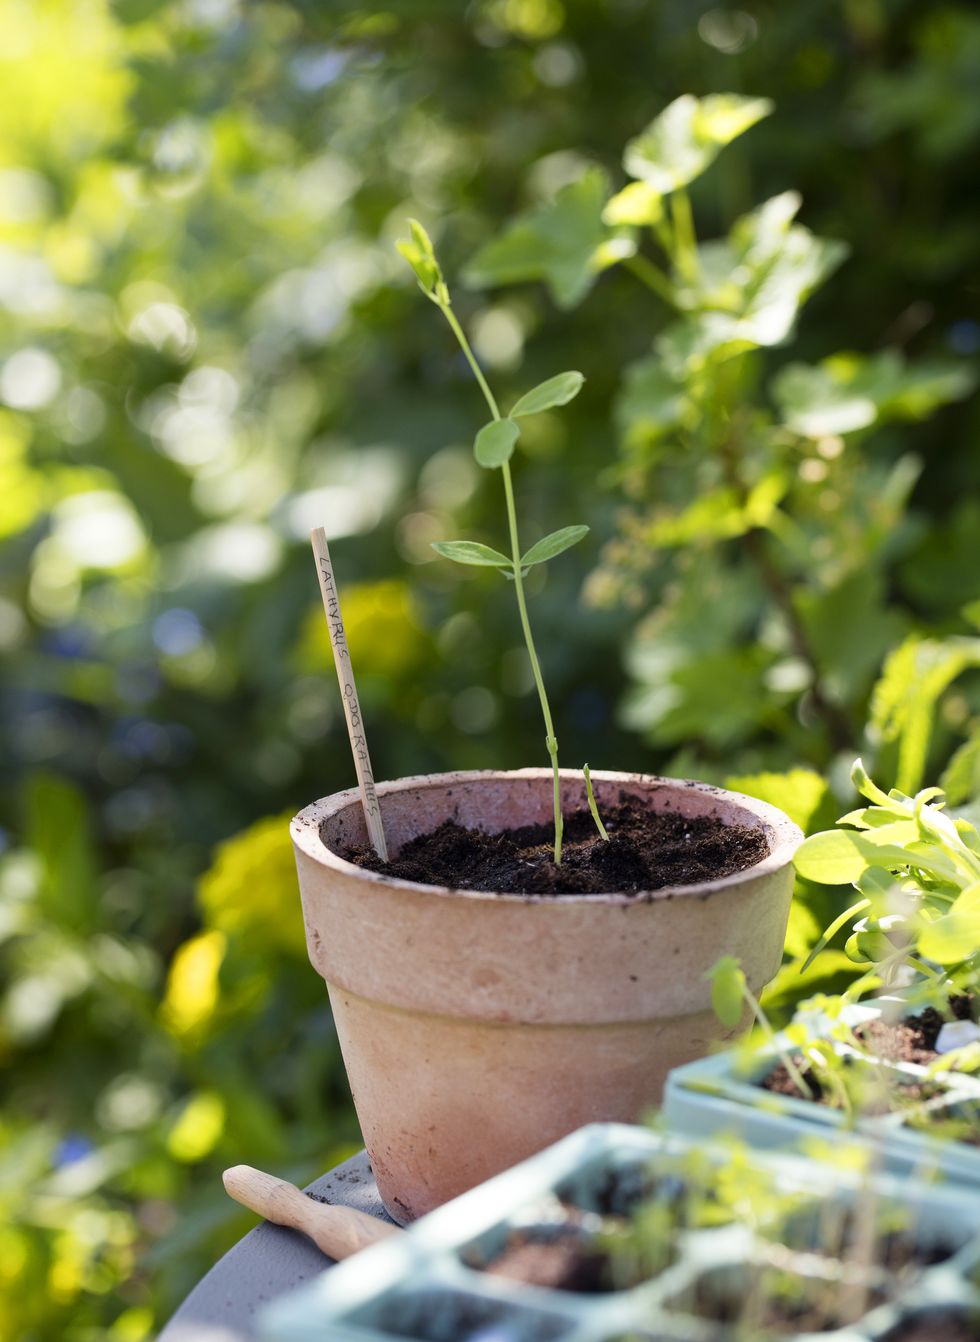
{"x": 496, "y": 441}
{"x": 483, "y": 556}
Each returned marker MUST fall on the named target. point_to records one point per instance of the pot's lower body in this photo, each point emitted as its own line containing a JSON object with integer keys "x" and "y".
{"x": 446, "y": 1102}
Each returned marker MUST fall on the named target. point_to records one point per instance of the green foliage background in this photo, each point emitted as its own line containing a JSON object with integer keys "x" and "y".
{"x": 208, "y": 344}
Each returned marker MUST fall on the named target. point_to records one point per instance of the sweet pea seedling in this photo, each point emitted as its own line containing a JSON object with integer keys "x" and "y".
{"x": 493, "y": 449}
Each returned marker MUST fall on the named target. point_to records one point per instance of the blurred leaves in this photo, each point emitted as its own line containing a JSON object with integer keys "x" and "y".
{"x": 846, "y": 392}
{"x": 565, "y": 242}
{"x": 687, "y": 136}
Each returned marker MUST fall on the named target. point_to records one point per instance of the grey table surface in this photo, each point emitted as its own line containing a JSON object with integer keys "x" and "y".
{"x": 265, "y": 1263}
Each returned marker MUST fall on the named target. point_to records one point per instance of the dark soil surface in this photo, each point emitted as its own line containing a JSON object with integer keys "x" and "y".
{"x": 646, "y": 851}
{"x": 444, "y": 1315}
{"x": 912, "y": 1039}
{"x": 938, "y": 1326}
{"x": 868, "y": 1097}
{"x": 894, "y": 1250}
{"x": 563, "y": 1262}
{"x": 812, "y": 1307}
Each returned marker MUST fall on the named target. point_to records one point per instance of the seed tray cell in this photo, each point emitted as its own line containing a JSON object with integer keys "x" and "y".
{"x": 423, "y": 1284}
{"x": 719, "y": 1095}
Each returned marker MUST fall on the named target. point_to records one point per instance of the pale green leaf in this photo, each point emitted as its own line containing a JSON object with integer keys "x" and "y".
{"x": 554, "y": 544}
{"x": 566, "y": 243}
{"x": 848, "y": 392}
{"x": 799, "y": 792}
{"x": 727, "y": 990}
{"x": 471, "y": 552}
{"x": 748, "y": 288}
{"x": 557, "y": 390}
{"x": 831, "y": 857}
{"x": 687, "y": 136}
{"x": 495, "y": 442}
{"x": 651, "y": 403}
{"x": 638, "y": 203}
{"x": 956, "y": 935}
{"x": 961, "y": 779}
{"x": 831, "y": 931}
{"x": 906, "y": 697}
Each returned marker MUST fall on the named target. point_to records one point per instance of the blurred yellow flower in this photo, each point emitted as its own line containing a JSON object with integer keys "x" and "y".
{"x": 384, "y": 631}
{"x": 192, "y": 984}
{"x": 251, "y": 887}
{"x": 199, "y": 1127}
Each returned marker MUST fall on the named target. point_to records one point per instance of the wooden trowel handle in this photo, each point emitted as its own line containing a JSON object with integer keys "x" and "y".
{"x": 337, "y": 1231}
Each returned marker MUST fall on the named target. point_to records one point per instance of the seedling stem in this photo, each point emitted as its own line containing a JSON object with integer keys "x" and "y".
{"x": 550, "y": 739}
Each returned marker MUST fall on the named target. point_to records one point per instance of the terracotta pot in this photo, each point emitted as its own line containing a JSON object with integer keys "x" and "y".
{"x": 478, "y": 1028}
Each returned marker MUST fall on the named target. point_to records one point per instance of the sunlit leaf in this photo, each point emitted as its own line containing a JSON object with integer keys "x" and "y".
{"x": 687, "y": 136}
{"x": 907, "y": 694}
{"x": 848, "y": 392}
{"x": 801, "y": 793}
{"x": 956, "y": 935}
{"x": 638, "y": 203}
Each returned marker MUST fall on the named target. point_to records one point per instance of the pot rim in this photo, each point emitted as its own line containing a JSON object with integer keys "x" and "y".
{"x": 784, "y": 835}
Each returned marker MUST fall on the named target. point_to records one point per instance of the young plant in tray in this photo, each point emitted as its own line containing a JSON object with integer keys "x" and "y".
{"x": 917, "y": 871}
{"x": 493, "y": 448}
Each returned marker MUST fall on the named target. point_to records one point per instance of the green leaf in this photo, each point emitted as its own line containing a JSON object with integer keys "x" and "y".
{"x": 848, "y": 392}
{"x": 961, "y": 779}
{"x": 555, "y": 544}
{"x": 906, "y": 697}
{"x": 832, "y": 931}
{"x": 749, "y": 287}
{"x": 651, "y": 403}
{"x": 801, "y": 793}
{"x": 727, "y": 990}
{"x": 832, "y": 857}
{"x": 853, "y": 623}
{"x": 471, "y": 552}
{"x": 59, "y": 833}
{"x": 637, "y": 203}
{"x": 557, "y": 390}
{"x": 494, "y": 443}
{"x": 565, "y": 243}
{"x": 687, "y": 136}
{"x": 841, "y": 856}
{"x": 956, "y": 935}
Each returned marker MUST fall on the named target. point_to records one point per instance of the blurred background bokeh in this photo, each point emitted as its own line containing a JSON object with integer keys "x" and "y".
{"x": 208, "y": 344}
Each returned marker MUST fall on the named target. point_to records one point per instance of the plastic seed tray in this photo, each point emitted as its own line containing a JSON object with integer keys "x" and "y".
{"x": 722, "y": 1094}
{"x": 424, "y": 1285}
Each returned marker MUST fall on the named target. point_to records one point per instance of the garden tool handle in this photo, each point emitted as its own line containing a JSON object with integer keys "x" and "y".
{"x": 336, "y": 1231}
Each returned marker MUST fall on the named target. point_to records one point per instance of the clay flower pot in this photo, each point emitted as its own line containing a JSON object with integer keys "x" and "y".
{"x": 478, "y": 1028}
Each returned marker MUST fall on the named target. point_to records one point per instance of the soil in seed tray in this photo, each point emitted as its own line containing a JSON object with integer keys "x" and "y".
{"x": 939, "y": 1326}
{"x": 870, "y": 1099}
{"x": 894, "y": 1250}
{"x": 645, "y": 851}
{"x": 914, "y": 1038}
{"x": 810, "y": 1309}
{"x": 563, "y": 1262}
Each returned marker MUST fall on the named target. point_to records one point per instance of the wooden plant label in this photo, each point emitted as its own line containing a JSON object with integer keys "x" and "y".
{"x": 348, "y": 692}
